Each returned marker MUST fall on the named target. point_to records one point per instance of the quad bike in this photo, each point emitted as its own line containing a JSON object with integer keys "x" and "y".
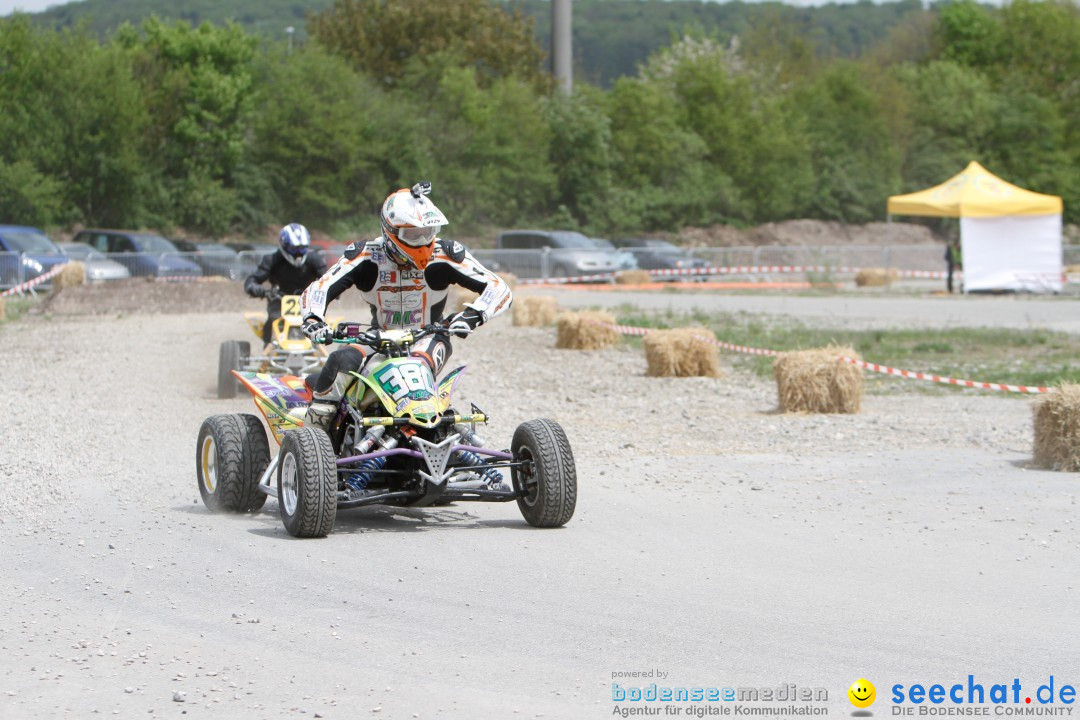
{"x": 289, "y": 351}
{"x": 395, "y": 440}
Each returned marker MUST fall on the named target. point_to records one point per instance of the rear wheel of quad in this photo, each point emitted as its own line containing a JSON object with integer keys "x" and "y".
{"x": 307, "y": 483}
{"x": 230, "y": 358}
{"x": 230, "y": 458}
{"x": 550, "y": 483}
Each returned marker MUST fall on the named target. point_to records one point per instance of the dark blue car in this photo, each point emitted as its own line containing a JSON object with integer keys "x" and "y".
{"x": 25, "y": 253}
{"x": 144, "y": 254}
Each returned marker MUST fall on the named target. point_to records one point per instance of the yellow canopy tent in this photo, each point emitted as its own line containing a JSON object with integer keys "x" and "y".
{"x": 975, "y": 192}
{"x": 1011, "y": 237}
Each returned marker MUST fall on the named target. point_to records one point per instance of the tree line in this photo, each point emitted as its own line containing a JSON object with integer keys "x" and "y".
{"x": 218, "y": 130}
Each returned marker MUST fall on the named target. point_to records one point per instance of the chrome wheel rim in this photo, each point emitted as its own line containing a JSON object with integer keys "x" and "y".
{"x": 209, "y": 464}
{"x": 526, "y": 477}
{"x": 289, "y": 484}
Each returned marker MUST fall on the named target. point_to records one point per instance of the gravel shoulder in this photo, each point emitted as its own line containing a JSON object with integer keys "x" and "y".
{"x": 714, "y": 538}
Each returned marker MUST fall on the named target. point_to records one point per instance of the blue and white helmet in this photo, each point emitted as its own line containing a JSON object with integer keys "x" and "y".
{"x": 295, "y": 241}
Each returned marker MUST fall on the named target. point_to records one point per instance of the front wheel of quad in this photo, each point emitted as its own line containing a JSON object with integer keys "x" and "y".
{"x": 307, "y": 483}
{"x": 230, "y": 357}
{"x": 548, "y": 481}
{"x": 230, "y": 458}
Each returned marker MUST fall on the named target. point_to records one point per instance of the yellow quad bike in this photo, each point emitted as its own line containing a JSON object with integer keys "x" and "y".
{"x": 395, "y": 440}
{"x": 289, "y": 351}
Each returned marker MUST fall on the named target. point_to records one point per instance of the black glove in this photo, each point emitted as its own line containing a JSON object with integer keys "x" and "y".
{"x": 257, "y": 291}
{"x": 318, "y": 331}
{"x": 272, "y": 294}
{"x": 464, "y": 322}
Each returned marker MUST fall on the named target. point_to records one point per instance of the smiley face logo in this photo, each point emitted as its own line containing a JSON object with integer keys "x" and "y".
{"x": 862, "y": 693}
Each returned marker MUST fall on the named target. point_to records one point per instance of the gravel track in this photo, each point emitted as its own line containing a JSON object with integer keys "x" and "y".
{"x": 713, "y": 539}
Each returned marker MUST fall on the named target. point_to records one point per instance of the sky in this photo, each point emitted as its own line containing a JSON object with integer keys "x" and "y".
{"x": 9, "y": 6}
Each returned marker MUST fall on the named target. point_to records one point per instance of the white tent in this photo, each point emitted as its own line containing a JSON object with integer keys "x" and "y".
{"x": 1010, "y": 237}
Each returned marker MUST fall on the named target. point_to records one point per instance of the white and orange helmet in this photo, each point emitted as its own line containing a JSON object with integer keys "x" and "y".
{"x": 411, "y": 223}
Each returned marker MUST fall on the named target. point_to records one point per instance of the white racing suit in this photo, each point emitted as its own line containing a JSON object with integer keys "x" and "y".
{"x": 400, "y": 297}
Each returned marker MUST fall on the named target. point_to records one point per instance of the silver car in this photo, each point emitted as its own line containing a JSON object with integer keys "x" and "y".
{"x": 98, "y": 267}
{"x": 552, "y": 253}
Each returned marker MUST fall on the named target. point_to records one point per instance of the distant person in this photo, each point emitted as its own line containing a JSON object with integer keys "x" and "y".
{"x": 953, "y": 260}
{"x": 290, "y": 270}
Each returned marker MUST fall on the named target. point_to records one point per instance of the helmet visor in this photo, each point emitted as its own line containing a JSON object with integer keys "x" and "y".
{"x": 295, "y": 250}
{"x": 418, "y": 236}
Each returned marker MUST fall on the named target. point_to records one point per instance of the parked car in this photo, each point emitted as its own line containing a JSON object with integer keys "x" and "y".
{"x": 98, "y": 267}
{"x": 143, "y": 254}
{"x": 251, "y": 254}
{"x": 653, "y": 254}
{"x": 627, "y": 261}
{"x": 25, "y": 253}
{"x": 523, "y": 252}
{"x": 214, "y": 258}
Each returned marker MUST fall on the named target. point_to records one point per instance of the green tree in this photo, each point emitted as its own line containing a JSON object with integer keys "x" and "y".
{"x": 581, "y": 156}
{"x": 969, "y": 34}
{"x": 950, "y": 114}
{"x": 381, "y": 36}
{"x": 855, "y": 163}
{"x": 198, "y": 84}
{"x": 752, "y": 133}
{"x": 321, "y": 136}
{"x": 661, "y": 180}
{"x": 70, "y": 112}
{"x": 489, "y": 149}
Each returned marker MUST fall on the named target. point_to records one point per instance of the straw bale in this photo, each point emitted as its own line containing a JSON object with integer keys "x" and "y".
{"x": 74, "y": 273}
{"x": 875, "y": 277}
{"x": 684, "y": 352}
{"x": 1, "y": 307}
{"x": 535, "y": 311}
{"x": 461, "y": 298}
{"x": 633, "y": 277}
{"x": 510, "y": 279}
{"x": 579, "y": 331}
{"x": 818, "y": 381}
{"x": 1057, "y": 429}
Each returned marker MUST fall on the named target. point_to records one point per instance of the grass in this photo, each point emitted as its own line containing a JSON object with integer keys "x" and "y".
{"x": 15, "y": 307}
{"x": 1016, "y": 357}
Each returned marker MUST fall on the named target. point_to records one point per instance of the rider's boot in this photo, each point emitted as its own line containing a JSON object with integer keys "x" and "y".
{"x": 324, "y": 406}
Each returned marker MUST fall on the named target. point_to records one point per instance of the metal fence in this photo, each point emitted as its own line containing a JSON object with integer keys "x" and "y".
{"x": 545, "y": 263}
{"x": 16, "y": 268}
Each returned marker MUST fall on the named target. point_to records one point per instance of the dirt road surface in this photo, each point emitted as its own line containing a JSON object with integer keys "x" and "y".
{"x": 715, "y": 541}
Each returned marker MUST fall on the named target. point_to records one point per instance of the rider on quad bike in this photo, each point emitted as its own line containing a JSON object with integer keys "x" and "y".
{"x": 291, "y": 269}
{"x": 404, "y": 275}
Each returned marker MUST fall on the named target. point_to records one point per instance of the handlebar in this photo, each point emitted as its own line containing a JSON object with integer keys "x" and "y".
{"x": 351, "y": 333}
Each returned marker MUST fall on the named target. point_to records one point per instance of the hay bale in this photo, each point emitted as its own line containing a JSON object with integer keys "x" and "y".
{"x": 1057, "y": 429}
{"x": 875, "y": 277}
{"x": 1, "y": 308}
{"x": 1072, "y": 269}
{"x": 579, "y": 331}
{"x": 461, "y": 298}
{"x": 684, "y": 352}
{"x": 818, "y": 381}
{"x": 510, "y": 279}
{"x": 535, "y": 311}
{"x": 74, "y": 273}
{"x": 633, "y": 277}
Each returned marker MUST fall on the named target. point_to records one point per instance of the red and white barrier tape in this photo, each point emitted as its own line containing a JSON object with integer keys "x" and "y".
{"x": 44, "y": 277}
{"x": 730, "y": 270}
{"x": 874, "y": 367}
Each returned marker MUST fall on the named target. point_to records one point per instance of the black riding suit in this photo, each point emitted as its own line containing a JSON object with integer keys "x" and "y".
{"x": 288, "y": 278}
